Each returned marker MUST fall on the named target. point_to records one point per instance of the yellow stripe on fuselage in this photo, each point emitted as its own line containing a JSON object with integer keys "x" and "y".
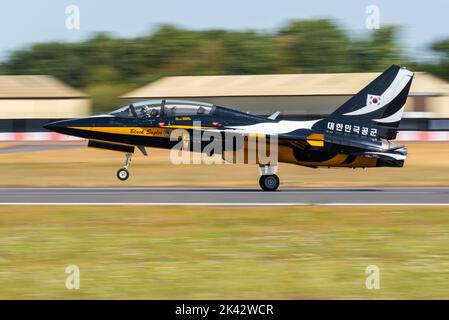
{"x": 316, "y": 140}
{"x": 133, "y": 131}
{"x": 163, "y": 131}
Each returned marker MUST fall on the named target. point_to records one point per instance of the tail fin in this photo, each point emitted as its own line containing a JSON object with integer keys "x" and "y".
{"x": 380, "y": 104}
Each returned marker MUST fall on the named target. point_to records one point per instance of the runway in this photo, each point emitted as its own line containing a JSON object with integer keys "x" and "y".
{"x": 363, "y": 196}
{"x": 40, "y": 146}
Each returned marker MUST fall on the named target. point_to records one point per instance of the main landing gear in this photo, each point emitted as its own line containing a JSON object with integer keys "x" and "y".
{"x": 268, "y": 180}
{"x": 123, "y": 173}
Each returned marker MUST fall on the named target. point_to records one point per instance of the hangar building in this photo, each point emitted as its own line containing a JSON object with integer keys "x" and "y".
{"x": 29, "y": 101}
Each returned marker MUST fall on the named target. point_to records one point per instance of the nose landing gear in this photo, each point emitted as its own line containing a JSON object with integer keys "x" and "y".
{"x": 123, "y": 173}
{"x": 268, "y": 180}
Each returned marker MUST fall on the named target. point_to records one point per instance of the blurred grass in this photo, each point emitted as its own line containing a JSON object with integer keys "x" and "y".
{"x": 211, "y": 252}
{"x": 427, "y": 164}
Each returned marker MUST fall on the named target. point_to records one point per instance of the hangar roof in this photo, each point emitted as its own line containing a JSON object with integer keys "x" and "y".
{"x": 35, "y": 86}
{"x": 276, "y": 85}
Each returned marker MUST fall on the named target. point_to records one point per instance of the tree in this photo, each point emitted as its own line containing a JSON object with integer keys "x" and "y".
{"x": 441, "y": 68}
{"x": 376, "y": 52}
{"x": 317, "y": 46}
{"x": 249, "y": 53}
{"x": 60, "y": 60}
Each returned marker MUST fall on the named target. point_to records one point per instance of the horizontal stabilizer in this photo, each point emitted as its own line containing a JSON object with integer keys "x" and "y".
{"x": 274, "y": 115}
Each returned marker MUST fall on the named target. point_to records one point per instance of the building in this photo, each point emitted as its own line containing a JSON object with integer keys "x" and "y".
{"x": 293, "y": 94}
{"x": 40, "y": 97}
{"x": 27, "y": 102}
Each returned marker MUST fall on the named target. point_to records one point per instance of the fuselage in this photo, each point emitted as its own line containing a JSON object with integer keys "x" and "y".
{"x": 307, "y": 143}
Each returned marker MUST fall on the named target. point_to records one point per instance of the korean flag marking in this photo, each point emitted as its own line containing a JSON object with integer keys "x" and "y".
{"x": 374, "y": 101}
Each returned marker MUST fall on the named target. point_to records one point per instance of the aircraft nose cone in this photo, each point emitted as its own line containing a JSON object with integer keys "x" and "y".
{"x": 49, "y": 126}
{"x": 78, "y": 127}
{"x": 56, "y": 126}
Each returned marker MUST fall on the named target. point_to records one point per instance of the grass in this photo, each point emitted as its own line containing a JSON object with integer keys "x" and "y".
{"x": 211, "y": 252}
{"x": 427, "y": 164}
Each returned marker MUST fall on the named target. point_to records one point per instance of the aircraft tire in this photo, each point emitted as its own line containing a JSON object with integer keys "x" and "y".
{"x": 269, "y": 182}
{"x": 122, "y": 174}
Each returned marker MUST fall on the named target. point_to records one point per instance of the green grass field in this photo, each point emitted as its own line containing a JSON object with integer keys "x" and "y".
{"x": 233, "y": 252}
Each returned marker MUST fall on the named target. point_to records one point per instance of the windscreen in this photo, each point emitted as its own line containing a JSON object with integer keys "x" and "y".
{"x": 144, "y": 109}
{"x": 158, "y": 108}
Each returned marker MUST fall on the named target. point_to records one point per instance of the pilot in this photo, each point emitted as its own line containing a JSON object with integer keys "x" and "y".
{"x": 150, "y": 112}
{"x": 146, "y": 111}
{"x": 154, "y": 113}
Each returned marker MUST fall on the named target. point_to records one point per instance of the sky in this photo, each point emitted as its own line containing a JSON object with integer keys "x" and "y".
{"x": 24, "y": 22}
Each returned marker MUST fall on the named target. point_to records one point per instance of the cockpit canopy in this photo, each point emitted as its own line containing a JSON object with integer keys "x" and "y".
{"x": 156, "y": 108}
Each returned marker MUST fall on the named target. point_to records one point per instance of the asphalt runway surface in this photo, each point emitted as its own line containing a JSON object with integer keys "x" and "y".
{"x": 37, "y": 146}
{"x": 225, "y": 196}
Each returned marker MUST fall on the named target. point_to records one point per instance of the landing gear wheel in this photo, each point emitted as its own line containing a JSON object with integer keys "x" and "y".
{"x": 269, "y": 182}
{"x": 122, "y": 174}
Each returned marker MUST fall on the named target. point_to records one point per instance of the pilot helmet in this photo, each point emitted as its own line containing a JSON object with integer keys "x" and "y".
{"x": 146, "y": 109}
{"x": 153, "y": 112}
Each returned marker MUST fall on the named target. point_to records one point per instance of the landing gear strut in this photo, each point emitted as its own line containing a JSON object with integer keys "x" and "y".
{"x": 268, "y": 180}
{"x": 123, "y": 173}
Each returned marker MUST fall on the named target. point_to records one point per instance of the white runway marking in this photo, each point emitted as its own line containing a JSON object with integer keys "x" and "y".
{"x": 219, "y": 204}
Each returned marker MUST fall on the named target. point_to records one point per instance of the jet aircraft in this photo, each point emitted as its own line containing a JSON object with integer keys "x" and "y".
{"x": 357, "y": 134}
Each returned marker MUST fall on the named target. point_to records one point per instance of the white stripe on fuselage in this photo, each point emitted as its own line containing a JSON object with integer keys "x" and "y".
{"x": 283, "y": 126}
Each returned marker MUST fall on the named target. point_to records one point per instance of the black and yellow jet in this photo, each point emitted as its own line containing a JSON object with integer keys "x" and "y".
{"x": 356, "y": 135}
